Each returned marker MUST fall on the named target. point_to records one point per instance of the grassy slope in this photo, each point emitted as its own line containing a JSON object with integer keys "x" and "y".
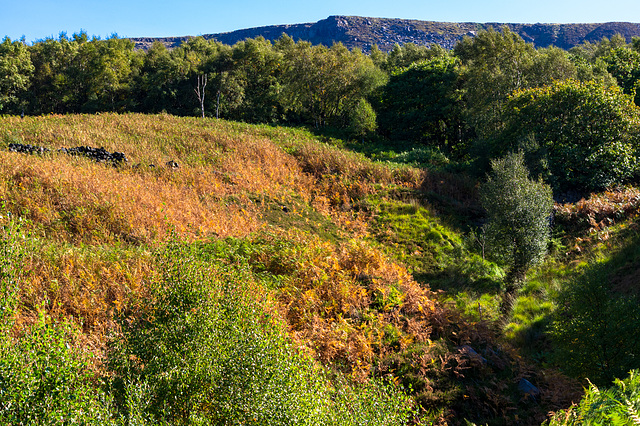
{"x": 319, "y": 226}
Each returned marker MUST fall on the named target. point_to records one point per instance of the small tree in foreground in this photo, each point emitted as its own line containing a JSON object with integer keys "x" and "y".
{"x": 518, "y": 211}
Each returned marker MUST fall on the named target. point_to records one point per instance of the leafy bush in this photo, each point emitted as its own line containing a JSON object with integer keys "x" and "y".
{"x": 518, "y": 211}
{"x": 208, "y": 351}
{"x": 420, "y": 103}
{"x": 44, "y": 378}
{"x": 46, "y": 381}
{"x": 580, "y": 136}
{"x": 362, "y": 119}
{"x": 10, "y": 256}
{"x": 596, "y": 330}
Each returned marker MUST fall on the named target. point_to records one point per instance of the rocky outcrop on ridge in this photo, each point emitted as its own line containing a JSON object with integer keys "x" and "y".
{"x": 360, "y": 32}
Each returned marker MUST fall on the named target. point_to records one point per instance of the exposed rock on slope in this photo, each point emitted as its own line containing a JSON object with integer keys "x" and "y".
{"x": 361, "y": 32}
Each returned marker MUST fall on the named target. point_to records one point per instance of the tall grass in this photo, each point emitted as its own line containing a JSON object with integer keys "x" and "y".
{"x": 291, "y": 251}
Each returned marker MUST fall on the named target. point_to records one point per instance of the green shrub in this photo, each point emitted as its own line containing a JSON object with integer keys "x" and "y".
{"x": 44, "y": 380}
{"x": 580, "y": 136}
{"x": 10, "y": 255}
{"x": 207, "y": 351}
{"x": 596, "y": 330}
{"x": 518, "y": 212}
{"x": 362, "y": 119}
{"x": 618, "y": 405}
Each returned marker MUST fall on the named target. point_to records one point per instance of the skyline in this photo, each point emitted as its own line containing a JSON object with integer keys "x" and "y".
{"x": 40, "y": 19}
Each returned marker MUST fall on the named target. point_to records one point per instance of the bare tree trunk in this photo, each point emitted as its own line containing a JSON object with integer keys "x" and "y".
{"x": 218, "y": 104}
{"x": 202, "y": 83}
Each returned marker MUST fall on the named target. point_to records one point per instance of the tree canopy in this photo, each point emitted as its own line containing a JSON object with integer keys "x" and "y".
{"x": 585, "y": 134}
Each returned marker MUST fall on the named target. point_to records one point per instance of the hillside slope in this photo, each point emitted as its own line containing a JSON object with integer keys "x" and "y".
{"x": 362, "y": 32}
{"x": 316, "y": 235}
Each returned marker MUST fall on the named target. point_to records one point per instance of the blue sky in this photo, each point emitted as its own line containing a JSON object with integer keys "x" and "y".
{"x": 38, "y": 19}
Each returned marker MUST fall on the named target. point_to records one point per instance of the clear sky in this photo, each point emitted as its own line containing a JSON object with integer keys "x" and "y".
{"x": 39, "y": 19}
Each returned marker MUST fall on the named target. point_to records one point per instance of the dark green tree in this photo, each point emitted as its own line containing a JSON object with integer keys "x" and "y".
{"x": 15, "y": 74}
{"x": 52, "y": 89}
{"x": 258, "y": 70}
{"x": 421, "y": 103}
{"x": 160, "y": 81}
{"x": 518, "y": 219}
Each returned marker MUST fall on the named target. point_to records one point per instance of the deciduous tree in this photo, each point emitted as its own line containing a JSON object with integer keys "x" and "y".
{"x": 518, "y": 219}
{"x": 421, "y": 103}
{"x": 586, "y": 134}
{"x": 15, "y": 73}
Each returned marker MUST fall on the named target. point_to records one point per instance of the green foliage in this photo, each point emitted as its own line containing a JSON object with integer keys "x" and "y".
{"x": 529, "y": 321}
{"x": 362, "y": 119}
{"x": 426, "y": 157}
{"x": 402, "y": 57}
{"x": 54, "y": 89}
{"x": 494, "y": 65}
{"x": 624, "y": 64}
{"x": 420, "y": 103}
{"x": 15, "y": 74}
{"x": 595, "y": 329}
{"x": 518, "y": 213}
{"x": 436, "y": 253}
{"x": 207, "y": 351}
{"x": 46, "y": 381}
{"x": 44, "y": 378}
{"x": 551, "y": 64}
{"x": 11, "y": 253}
{"x": 323, "y": 84}
{"x": 618, "y": 405}
{"x": 584, "y": 135}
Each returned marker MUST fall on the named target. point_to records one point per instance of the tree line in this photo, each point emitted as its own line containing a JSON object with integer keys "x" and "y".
{"x": 571, "y": 113}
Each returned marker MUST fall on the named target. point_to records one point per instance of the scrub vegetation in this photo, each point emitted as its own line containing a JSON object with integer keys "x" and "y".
{"x": 311, "y": 235}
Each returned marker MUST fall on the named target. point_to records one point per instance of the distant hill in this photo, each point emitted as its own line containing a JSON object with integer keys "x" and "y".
{"x": 361, "y": 32}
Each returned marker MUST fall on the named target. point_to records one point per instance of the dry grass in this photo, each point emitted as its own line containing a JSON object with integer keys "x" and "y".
{"x": 83, "y": 202}
{"x": 90, "y": 218}
{"x": 77, "y": 200}
{"x": 601, "y": 210}
{"x": 348, "y": 304}
{"x": 95, "y": 228}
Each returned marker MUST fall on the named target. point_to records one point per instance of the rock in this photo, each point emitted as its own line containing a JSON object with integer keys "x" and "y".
{"x": 365, "y": 279}
{"x": 472, "y": 354}
{"x": 28, "y": 149}
{"x": 99, "y": 155}
{"x": 528, "y": 389}
{"x": 96, "y": 154}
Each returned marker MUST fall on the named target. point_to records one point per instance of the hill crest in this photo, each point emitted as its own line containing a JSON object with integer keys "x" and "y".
{"x": 362, "y": 32}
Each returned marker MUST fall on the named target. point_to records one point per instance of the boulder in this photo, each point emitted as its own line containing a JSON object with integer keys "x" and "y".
{"x": 528, "y": 389}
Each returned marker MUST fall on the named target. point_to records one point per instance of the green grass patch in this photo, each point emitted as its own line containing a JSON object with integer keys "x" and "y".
{"x": 437, "y": 254}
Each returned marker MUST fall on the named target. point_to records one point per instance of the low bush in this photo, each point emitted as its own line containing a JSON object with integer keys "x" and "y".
{"x": 207, "y": 350}
{"x": 46, "y": 380}
{"x": 618, "y": 405}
